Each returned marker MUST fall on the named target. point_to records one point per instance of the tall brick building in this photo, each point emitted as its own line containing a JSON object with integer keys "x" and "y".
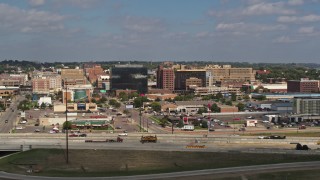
{"x": 165, "y": 78}
{"x": 304, "y": 85}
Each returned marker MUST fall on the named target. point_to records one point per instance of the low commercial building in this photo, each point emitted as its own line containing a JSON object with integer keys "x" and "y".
{"x": 8, "y": 91}
{"x": 307, "y": 106}
{"x": 260, "y": 104}
{"x": 191, "y": 107}
{"x": 75, "y": 107}
{"x": 160, "y": 96}
{"x": 202, "y": 91}
{"x": 282, "y": 107}
{"x": 89, "y": 124}
{"x": 225, "y": 108}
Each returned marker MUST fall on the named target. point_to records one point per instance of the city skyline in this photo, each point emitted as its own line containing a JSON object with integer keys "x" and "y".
{"x": 142, "y": 30}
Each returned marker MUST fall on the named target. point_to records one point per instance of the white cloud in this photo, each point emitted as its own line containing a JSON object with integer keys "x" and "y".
{"x": 267, "y": 8}
{"x": 306, "y": 30}
{"x": 295, "y": 2}
{"x": 248, "y": 27}
{"x": 13, "y": 18}
{"x": 284, "y": 39}
{"x": 296, "y": 19}
{"x": 36, "y": 2}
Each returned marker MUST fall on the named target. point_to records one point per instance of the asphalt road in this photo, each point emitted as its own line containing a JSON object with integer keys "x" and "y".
{"x": 197, "y": 173}
{"x": 10, "y": 116}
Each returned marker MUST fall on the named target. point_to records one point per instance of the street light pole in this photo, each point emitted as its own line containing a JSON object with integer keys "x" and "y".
{"x": 67, "y": 145}
{"x": 209, "y": 119}
{"x": 140, "y": 119}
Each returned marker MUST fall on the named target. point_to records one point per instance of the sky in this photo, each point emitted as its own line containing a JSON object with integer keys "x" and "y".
{"x": 285, "y": 31}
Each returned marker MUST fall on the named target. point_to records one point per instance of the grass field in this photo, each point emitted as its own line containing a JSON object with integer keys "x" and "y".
{"x": 300, "y": 133}
{"x": 52, "y": 162}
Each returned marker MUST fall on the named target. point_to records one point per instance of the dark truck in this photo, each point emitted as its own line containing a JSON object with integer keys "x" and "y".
{"x": 276, "y": 137}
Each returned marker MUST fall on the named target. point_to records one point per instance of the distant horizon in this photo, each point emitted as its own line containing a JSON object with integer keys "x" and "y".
{"x": 142, "y": 61}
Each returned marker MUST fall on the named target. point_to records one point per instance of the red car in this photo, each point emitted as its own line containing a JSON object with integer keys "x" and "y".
{"x": 73, "y": 135}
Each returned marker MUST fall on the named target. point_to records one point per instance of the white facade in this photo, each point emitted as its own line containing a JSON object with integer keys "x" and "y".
{"x": 45, "y": 100}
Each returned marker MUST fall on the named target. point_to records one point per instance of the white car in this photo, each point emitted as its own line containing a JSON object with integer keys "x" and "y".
{"x": 262, "y": 137}
{"x": 19, "y": 127}
{"x": 265, "y": 121}
{"x": 123, "y": 134}
{"x": 23, "y": 122}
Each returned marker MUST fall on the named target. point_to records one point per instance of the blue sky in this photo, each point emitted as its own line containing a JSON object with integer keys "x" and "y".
{"x": 160, "y": 30}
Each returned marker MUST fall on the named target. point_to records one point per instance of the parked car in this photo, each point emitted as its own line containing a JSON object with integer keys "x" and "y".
{"x": 6, "y": 121}
{"x": 37, "y": 130}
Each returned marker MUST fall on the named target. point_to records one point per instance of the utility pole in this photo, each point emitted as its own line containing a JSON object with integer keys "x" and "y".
{"x": 209, "y": 119}
{"x": 172, "y": 127}
{"x": 67, "y": 145}
{"x": 140, "y": 119}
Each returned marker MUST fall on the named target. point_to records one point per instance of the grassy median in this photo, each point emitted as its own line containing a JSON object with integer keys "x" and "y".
{"x": 52, "y": 162}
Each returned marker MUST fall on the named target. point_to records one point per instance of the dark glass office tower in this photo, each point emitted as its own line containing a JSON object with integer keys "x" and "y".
{"x": 131, "y": 77}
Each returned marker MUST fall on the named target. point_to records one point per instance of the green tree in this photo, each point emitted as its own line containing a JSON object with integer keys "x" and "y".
{"x": 157, "y": 99}
{"x": 180, "y": 124}
{"x": 43, "y": 105}
{"x": 117, "y": 105}
{"x": 112, "y": 102}
{"x": 123, "y": 96}
{"x": 233, "y": 96}
{"x": 132, "y": 95}
{"x": 202, "y": 110}
{"x": 138, "y": 102}
{"x": 103, "y": 99}
{"x": 215, "y": 108}
{"x": 240, "y": 106}
{"x": 229, "y": 103}
{"x": 93, "y": 100}
{"x": 164, "y": 121}
{"x": 156, "y": 106}
{"x": 24, "y": 105}
{"x": 204, "y": 124}
{"x": 219, "y": 95}
{"x": 67, "y": 125}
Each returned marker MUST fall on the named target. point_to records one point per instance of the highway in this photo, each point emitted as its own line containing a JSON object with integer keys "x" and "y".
{"x": 166, "y": 142}
{"x": 197, "y": 173}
